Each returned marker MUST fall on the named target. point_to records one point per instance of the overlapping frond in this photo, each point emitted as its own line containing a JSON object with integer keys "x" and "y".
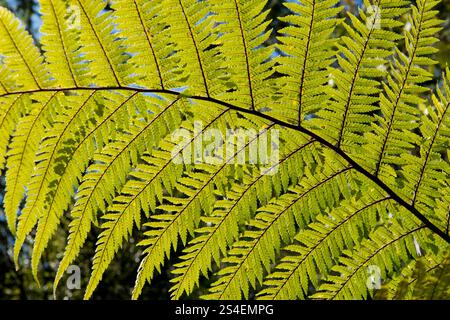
{"x": 110, "y": 169}
{"x": 362, "y": 56}
{"x": 220, "y": 229}
{"x": 155, "y": 173}
{"x": 275, "y": 224}
{"x": 243, "y": 33}
{"x": 120, "y": 214}
{"x": 199, "y": 189}
{"x": 23, "y": 147}
{"x": 99, "y": 42}
{"x": 426, "y": 278}
{"x": 427, "y": 174}
{"x": 386, "y": 250}
{"x": 320, "y": 245}
{"x": 59, "y": 41}
{"x": 402, "y": 91}
{"x": 307, "y": 52}
{"x": 119, "y": 124}
{"x": 20, "y": 54}
{"x": 11, "y": 110}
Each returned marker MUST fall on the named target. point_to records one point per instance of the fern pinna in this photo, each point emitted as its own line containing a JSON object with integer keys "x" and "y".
{"x": 358, "y": 177}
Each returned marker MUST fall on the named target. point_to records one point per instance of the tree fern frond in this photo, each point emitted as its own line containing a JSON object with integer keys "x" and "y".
{"x": 21, "y": 55}
{"x": 221, "y": 228}
{"x": 427, "y": 173}
{"x": 321, "y": 244}
{"x": 11, "y": 110}
{"x": 53, "y": 155}
{"x": 198, "y": 189}
{"x": 73, "y": 165}
{"x": 358, "y": 177}
{"x": 45, "y": 157}
{"x": 109, "y": 172}
{"x": 22, "y": 151}
{"x": 249, "y": 259}
{"x": 192, "y": 36}
{"x": 307, "y": 48}
{"x": 362, "y": 52}
{"x": 99, "y": 44}
{"x": 149, "y": 179}
{"x": 387, "y": 249}
{"x": 402, "y": 91}
{"x": 148, "y": 39}
{"x": 119, "y": 213}
{"x": 61, "y": 52}
{"x": 243, "y": 26}
{"x": 411, "y": 277}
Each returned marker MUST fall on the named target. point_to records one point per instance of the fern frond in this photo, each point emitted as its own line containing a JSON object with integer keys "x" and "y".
{"x": 22, "y": 151}
{"x": 307, "y": 48}
{"x": 249, "y": 259}
{"x": 64, "y": 62}
{"x": 361, "y": 57}
{"x": 387, "y": 249}
{"x": 157, "y": 171}
{"x": 20, "y": 53}
{"x": 321, "y": 244}
{"x": 198, "y": 189}
{"x": 243, "y": 26}
{"x": 191, "y": 34}
{"x": 73, "y": 166}
{"x": 11, "y": 110}
{"x": 126, "y": 206}
{"x": 221, "y": 228}
{"x": 46, "y": 154}
{"x": 435, "y": 283}
{"x": 360, "y": 175}
{"x": 411, "y": 278}
{"x": 427, "y": 174}
{"x": 148, "y": 39}
{"x": 99, "y": 45}
{"x": 402, "y": 91}
{"x": 109, "y": 171}
{"x": 55, "y": 154}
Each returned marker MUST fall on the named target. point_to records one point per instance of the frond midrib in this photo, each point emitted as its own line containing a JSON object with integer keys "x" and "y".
{"x": 396, "y": 197}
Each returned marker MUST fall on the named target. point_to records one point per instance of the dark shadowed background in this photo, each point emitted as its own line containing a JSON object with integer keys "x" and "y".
{"x": 119, "y": 278}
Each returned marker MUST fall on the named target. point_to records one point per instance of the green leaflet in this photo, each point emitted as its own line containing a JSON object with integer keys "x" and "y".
{"x": 23, "y": 148}
{"x": 426, "y": 278}
{"x": 278, "y": 170}
{"x": 221, "y": 228}
{"x": 321, "y": 243}
{"x": 386, "y": 249}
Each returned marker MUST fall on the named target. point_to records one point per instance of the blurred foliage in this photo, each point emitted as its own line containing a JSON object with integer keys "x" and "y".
{"x": 425, "y": 282}
{"x": 20, "y": 284}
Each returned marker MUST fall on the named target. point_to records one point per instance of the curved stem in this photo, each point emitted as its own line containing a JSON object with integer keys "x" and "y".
{"x": 323, "y": 141}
